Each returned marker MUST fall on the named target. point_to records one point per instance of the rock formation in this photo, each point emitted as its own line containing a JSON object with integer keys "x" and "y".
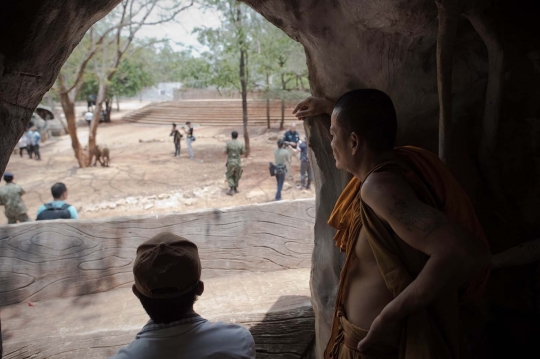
{"x": 464, "y": 77}
{"x": 466, "y": 74}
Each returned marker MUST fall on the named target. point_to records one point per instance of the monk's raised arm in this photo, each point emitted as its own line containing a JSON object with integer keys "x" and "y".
{"x": 455, "y": 255}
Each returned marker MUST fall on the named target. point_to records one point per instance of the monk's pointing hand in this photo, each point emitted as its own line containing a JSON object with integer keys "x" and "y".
{"x": 382, "y": 332}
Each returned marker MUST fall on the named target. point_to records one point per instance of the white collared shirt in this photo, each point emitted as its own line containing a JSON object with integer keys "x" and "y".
{"x": 190, "y": 338}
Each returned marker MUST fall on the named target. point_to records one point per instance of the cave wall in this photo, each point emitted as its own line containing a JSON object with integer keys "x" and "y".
{"x": 391, "y": 45}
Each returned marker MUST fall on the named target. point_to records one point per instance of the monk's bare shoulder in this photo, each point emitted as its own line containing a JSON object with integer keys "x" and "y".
{"x": 393, "y": 200}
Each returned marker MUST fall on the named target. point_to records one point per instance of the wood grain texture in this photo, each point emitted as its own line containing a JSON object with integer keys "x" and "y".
{"x": 66, "y": 258}
{"x": 274, "y": 306}
{"x": 285, "y": 334}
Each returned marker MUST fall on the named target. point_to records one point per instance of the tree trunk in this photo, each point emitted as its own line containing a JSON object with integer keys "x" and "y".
{"x": 69, "y": 111}
{"x": 117, "y": 104}
{"x": 282, "y": 122}
{"x": 244, "y": 99}
{"x": 283, "y": 88}
{"x": 108, "y": 110}
{"x": 267, "y": 101}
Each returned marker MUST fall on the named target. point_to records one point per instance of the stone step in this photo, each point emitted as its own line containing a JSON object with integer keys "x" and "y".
{"x": 210, "y": 113}
{"x": 275, "y": 306}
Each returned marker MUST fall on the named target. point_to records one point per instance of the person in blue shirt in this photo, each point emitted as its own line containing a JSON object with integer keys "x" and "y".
{"x": 58, "y": 208}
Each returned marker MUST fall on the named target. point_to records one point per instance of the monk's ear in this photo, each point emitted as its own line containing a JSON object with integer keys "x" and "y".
{"x": 354, "y": 141}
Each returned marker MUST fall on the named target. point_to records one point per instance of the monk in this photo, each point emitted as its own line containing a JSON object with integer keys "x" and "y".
{"x": 416, "y": 253}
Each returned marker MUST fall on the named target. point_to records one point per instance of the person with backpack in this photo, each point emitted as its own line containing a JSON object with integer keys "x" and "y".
{"x": 58, "y": 208}
{"x": 282, "y": 157}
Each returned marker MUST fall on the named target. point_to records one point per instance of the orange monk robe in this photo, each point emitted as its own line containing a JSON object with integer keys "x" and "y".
{"x": 435, "y": 332}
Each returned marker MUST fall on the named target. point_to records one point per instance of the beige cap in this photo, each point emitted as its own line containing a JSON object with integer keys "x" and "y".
{"x": 166, "y": 266}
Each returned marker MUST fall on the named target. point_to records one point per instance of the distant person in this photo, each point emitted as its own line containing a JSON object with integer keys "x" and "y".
{"x": 167, "y": 272}
{"x": 10, "y": 198}
{"x": 177, "y": 137}
{"x": 305, "y": 167}
{"x": 29, "y": 137}
{"x": 91, "y": 100}
{"x": 234, "y": 150}
{"x": 190, "y": 138}
{"x": 23, "y": 145}
{"x": 291, "y": 139}
{"x": 58, "y": 208}
{"x": 88, "y": 116}
{"x": 35, "y": 137}
{"x": 281, "y": 157}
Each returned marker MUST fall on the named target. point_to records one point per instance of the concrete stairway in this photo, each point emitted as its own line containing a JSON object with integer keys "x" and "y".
{"x": 215, "y": 112}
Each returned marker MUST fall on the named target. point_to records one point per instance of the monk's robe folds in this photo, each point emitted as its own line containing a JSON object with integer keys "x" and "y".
{"x": 435, "y": 332}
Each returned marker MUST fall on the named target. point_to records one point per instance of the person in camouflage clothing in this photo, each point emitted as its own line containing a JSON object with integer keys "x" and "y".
{"x": 10, "y": 198}
{"x": 234, "y": 150}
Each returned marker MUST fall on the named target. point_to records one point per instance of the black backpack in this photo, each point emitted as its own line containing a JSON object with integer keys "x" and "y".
{"x": 52, "y": 212}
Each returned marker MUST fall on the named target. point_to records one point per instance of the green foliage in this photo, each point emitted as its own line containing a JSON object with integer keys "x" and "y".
{"x": 181, "y": 66}
{"x": 134, "y": 73}
{"x": 275, "y": 64}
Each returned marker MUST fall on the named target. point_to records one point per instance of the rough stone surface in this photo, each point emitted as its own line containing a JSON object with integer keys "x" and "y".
{"x": 66, "y": 258}
{"x": 274, "y": 306}
{"x": 391, "y": 45}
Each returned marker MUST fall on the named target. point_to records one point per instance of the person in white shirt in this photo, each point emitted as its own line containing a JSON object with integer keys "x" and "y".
{"x": 88, "y": 116}
{"x": 35, "y": 138}
{"x": 167, "y": 272}
{"x": 23, "y": 145}
{"x": 29, "y": 135}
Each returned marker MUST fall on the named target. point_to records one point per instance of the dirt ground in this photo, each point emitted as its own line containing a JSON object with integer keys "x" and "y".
{"x": 145, "y": 178}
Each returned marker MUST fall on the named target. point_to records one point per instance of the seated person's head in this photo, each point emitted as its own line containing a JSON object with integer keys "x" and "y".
{"x": 280, "y": 143}
{"x": 363, "y": 121}
{"x": 292, "y": 128}
{"x": 234, "y": 135}
{"x": 8, "y": 177}
{"x": 167, "y": 273}
{"x": 59, "y": 191}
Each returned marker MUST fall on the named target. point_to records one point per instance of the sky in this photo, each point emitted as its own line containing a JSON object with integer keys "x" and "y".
{"x": 180, "y": 31}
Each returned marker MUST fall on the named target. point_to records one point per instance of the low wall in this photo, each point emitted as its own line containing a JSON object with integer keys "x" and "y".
{"x": 64, "y": 258}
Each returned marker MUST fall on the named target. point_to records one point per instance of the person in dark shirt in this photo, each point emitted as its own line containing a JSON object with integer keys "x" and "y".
{"x": 176, "y": 139}
{"x": 291, "y": 137}
{"x": 305, "y": 167}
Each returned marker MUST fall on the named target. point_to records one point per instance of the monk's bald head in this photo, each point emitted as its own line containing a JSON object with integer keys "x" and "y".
{"x": 371, "y": 115}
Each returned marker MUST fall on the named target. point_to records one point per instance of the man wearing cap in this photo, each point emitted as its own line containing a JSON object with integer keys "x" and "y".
{"x": 234, "y": 151}
{"x": 167, "y": 272}
{"x": 10, "y": 198}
